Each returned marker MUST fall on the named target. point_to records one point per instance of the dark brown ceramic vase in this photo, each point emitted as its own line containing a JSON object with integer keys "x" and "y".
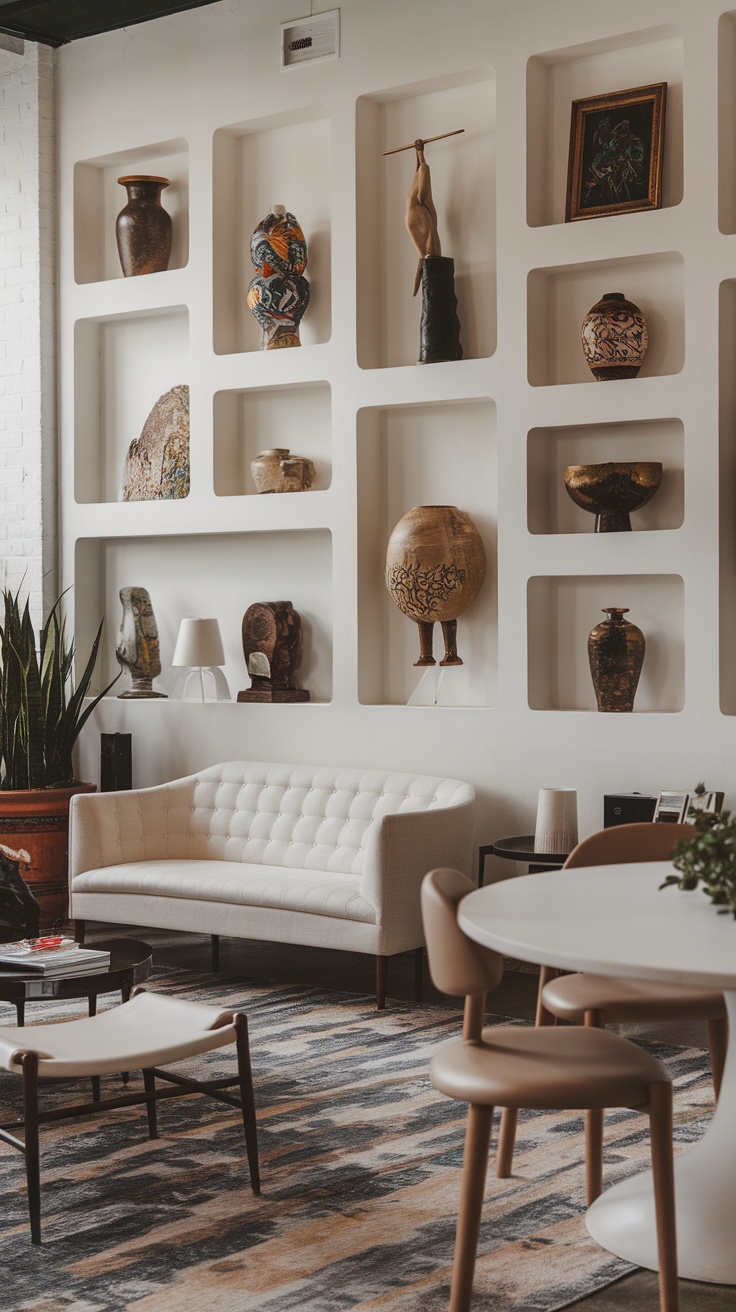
{"x": 143, "y": 227}
{"x": 616, "y": 654}
{"x": 615, "y": 337}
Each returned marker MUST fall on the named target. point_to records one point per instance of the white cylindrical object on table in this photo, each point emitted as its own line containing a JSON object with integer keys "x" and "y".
{"x": 557, "y": 820}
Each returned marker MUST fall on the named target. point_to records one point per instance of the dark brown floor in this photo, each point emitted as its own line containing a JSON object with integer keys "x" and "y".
{"x": 355, "y": 973}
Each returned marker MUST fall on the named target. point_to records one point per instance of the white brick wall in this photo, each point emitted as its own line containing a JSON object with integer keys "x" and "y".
{"x": 27, "y": 323}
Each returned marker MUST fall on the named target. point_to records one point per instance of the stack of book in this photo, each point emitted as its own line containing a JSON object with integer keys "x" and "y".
{"x": 65, "y": 959}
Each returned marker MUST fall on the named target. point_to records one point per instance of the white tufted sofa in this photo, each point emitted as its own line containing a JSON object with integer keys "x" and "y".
{"x": 289, "y": 853}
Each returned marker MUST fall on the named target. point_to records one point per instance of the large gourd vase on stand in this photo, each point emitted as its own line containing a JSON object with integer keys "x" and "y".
{"x": 616, "y": 654}
{"x": 435, "y": 565}
{"x": 143, "y": 227}
{"x": 615, "y": 337}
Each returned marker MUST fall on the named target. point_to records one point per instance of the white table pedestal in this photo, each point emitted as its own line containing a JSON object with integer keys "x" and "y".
{"x": 622, "y": 1219}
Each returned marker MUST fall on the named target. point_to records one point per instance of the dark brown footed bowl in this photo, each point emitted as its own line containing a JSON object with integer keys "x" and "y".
{"x": 611, "y": 491}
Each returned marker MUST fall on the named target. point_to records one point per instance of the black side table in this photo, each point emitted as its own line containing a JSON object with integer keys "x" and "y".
{"x": 520, "y": 849}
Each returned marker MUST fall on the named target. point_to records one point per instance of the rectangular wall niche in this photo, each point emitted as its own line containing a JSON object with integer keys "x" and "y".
{"x": 550, "y": 450}
{"x": 254, "y": 420}
{"x": 562, "y": 611}
{"x": 123, "y": 365}
{"x": 209, "y": 575}
{"x": 415, "y": 455}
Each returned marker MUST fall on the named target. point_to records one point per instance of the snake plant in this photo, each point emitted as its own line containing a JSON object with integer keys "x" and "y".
{"x": 41, "y": 713}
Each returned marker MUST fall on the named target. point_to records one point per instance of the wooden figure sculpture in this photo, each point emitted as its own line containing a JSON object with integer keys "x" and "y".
{"x": 137, "y": 649}
{"x": 272, "y": 646}
{"x": 435, "y": 565}
{"x": 440, "y": 326}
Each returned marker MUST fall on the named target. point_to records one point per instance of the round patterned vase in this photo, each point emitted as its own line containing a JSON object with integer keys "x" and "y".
{"x": 143, "y": 227}
{"x": 435, "y": 565}
{"x": 615, "y": 337}
{"x": 616, "y": 654}
{"x": 279, "y": 293}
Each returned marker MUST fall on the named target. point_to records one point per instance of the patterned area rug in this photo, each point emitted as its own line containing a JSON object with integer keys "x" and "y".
{"x": 360, "y": 1164}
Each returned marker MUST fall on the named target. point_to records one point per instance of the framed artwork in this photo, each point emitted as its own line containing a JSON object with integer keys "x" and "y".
{"x": 615, "y": 163}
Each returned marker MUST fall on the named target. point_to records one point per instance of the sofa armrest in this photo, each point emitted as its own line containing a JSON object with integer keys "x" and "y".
{"x": 408, "y": 844}
{"x": 142, "y": 824}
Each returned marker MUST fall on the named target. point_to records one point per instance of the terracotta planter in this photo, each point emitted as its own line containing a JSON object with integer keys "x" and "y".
{"x": 435, "y": 565}
{"x": 143, "y": 227}
{"x": 37, "y": 819}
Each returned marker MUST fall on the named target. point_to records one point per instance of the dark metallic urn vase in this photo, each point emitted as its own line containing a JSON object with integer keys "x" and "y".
{"x": 143, "y": 227}
{"x": 616, "y": 654}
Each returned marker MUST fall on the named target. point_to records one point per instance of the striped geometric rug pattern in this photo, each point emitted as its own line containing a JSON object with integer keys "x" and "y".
{"x": 360, "y": 1165}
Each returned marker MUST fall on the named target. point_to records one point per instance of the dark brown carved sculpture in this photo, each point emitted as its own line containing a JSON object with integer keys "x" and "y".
{"x": 272, "y": 646}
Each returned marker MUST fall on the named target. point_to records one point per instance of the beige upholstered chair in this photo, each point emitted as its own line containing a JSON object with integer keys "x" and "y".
{"x": 518, "y": 1066}
{"x": 150, "y": 1031}
{"x": 599, "y": 1000}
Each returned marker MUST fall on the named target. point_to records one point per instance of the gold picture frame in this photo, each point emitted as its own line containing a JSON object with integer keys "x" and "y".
{"x": 616, "y": 148}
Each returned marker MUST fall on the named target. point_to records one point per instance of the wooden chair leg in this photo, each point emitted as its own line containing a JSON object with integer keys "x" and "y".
{"x": 544, "y": 1017}
{"x": 92, "y": 1011}
{"x": 663, "y": 1171}
{"x": 506, "y": 1142}
{"x": 247, "y": 1100}
{"x": 215, "y": 951}
{"x": 593, "y": 1154}
{"x": 381, "y": 980}
{"x": 79, "y": 930}
{"x": 475, "y": 1165}
{"x": 29, "y": 1062}
{"x": 418, "y": 969}
{"x": 149, "y": 1084}
{"x": 718, "y": 1044}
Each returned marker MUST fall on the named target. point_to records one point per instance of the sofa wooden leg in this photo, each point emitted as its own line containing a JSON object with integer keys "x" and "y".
{"x": 79, "y": 928}
{"x": 418, "y": 967}
{"x": 215, "y": 951}
{"x": 381, "y": 978}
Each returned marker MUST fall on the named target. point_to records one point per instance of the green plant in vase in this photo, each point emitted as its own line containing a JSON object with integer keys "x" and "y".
{"x": 41, "y": 717}
{"x": 708, "y": 858}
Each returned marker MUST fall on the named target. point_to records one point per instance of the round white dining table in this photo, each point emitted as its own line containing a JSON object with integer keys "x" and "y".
{"x": 614, "y": 920}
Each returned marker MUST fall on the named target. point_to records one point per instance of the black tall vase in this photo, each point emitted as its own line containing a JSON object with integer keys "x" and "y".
{"x": 440, "y": 327}
{"x": 143, "y": 227}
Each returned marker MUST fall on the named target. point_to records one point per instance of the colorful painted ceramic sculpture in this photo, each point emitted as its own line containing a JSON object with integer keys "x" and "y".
{"x": 279, "y": 293}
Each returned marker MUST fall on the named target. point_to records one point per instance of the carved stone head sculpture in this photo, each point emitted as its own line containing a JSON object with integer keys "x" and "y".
{"x": 138, "y": 649}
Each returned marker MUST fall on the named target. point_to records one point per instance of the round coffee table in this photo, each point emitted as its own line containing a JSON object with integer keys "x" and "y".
{"x": 130, "y": 964}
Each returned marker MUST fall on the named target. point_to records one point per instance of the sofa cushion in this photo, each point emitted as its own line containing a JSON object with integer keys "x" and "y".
{"x": 234, "y": 882}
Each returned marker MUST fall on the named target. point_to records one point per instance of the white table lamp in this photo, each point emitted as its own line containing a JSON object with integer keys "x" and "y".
{"x": 199, "y": 646}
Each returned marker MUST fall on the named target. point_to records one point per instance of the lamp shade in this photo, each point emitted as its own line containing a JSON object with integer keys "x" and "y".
{"x": 199, "y": 643}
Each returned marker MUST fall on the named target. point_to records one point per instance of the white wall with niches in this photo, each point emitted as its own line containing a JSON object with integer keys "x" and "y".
{"x": 201, "y": 98}
{"x": 28, "y": 490}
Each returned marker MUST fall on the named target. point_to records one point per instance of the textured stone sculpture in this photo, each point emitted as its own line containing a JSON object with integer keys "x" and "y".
{"x": 272, "y": 646}
{"x": 157, "y": 463}
{"x": 138, "y": 649}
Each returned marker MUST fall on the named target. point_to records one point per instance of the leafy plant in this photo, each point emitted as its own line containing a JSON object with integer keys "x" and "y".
{"x": 41, "y": 714}
{"x": 708, "y": 858}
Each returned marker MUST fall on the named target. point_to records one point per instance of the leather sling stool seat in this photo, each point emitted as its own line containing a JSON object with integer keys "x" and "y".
{"x": 518, "y": 1066}
{"x": 149, "y": 1031}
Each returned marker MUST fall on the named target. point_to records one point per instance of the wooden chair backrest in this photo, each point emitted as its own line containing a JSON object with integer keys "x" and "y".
{"x": 624, "y": 843}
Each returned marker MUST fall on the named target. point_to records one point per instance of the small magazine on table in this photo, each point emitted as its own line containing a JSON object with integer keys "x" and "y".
{"x": 65, "y": 959}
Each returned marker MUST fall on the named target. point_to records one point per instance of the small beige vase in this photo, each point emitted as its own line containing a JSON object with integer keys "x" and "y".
{"x": 277, "y": 471}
